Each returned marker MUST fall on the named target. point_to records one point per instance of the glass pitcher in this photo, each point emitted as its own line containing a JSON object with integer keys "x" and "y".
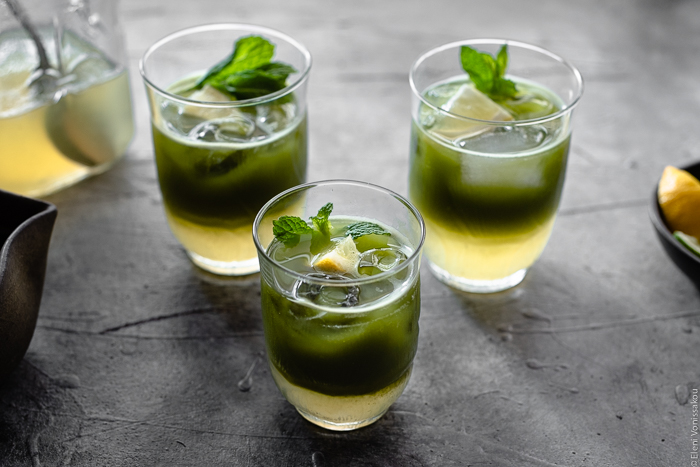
{"x": 65, "y": 105}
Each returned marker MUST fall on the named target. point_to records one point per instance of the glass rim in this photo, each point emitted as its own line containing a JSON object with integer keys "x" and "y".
{"x": 350, "y": 282}
{"x": 225, "y": 27}
{"x": 524, "y": 45}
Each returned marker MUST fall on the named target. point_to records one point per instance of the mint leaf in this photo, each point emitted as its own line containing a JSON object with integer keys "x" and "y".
{"x": 276, "y": 70}
{"x": 502, "y": 61}
{"x": 480, "y": 66}
{"x": 320, "y": 220}
{"x": 212, "y": 72}
{"x": 359, "y": 229}
{"x": 248, "y": 53}
{"x": 319, "y": 242}
{"x": 248, "y": 71}
{"x": 486, "y": 72}
{"x": 321, "y": 235}
{"x": 504, "y": 88}
{"x": 265, "y": 79}
{"x": 288, "y": 229}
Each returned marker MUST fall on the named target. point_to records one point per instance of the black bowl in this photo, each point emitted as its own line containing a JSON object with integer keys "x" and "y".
{"x": 25, "y": 231}
{"x": 686, "y": 260}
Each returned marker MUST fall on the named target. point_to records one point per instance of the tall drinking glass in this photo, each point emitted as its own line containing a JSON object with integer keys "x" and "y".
{"x": 341, "y": 318}
{"x": 486, "y": 174}
{"x": 219, "y": 161}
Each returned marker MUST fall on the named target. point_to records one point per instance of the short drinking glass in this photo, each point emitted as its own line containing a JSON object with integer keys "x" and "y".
{"x": 340, "y": 308}
{"x": 221, "y": 159}
{"x": 487, "y": 170}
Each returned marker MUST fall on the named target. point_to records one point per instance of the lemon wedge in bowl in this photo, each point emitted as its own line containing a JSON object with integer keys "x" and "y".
{"x": 679, "y": 200}
{"x": 689, "y": 242}
{"x": 672, "y": 190}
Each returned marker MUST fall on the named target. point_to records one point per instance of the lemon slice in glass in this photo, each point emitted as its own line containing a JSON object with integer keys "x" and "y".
{"x": 209, "y": 94}
{"x": 343, "y": 259}
{"x": 472, "y": 103}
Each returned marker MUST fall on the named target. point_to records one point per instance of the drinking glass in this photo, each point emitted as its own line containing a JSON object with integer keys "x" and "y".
{"x": 65, "y": 105}
{"x": 489, "y": 188}
{"x": 220, "y": 162}
{"x": 341, "y": 349}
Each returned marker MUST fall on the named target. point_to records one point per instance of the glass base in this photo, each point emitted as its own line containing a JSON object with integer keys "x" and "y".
{"x": 340, "y": 413}
{"x": 339, "y": 426}
{"x": 223, "y": 268}
{"x": 477, "y": 286}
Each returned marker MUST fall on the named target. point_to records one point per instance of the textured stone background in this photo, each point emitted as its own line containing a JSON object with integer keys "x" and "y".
{"x": 137, "y": 354}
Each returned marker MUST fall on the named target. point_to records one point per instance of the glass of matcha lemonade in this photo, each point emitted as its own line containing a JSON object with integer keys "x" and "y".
{"x": 228, "y": 115}
{"x": 489, "y": 145}
{"x": 339, "y": 265}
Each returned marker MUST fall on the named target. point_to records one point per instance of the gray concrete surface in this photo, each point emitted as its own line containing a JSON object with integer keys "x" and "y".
{"x": 137, "y": 354}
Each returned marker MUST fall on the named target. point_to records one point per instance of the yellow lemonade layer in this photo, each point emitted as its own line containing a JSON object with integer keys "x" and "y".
{"x": 494, "y": 257}
{"x": 97, "y": 120}
{"x": 340, "y": 412}
{"x": 214, "y": 243}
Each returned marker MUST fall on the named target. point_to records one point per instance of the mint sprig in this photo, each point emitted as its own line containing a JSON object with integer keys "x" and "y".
{"x": 248, "y": 71}
{"x": 288, "y": 229}
{"x": 321, "y": 233}
{"x": 486, "y": 72}
{"x": 265, "y": 79}
{"x": 359, "y": 229}
{"x": 321, "y": 221}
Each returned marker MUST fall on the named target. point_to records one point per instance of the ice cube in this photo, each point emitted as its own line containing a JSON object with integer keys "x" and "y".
{"x": 205, "y": 131}
{"x": 18, "y": 61}
{"x": 15, "y": 96}
{"x": 308, "y": 291}
{"x": 506, "y": 140}
{"x": 528, "y": 105}
{"x": 441, "y": 94}
{"x": 82, "y": 63}
{"x": 170, "y": 118}
{"x": 329, "y": 295}
{"x": 383, "y": 259}
{"x": 234, "y": 129}
{"x": 89, "y": 68}
{"x": 272, "y": 118}
{"x": 428, "y": 116}
{"x": 472, "y": 103}
{"x": 376, "y": 290}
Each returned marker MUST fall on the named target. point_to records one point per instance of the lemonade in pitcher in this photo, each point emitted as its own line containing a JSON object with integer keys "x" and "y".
{"x": 65, "y": 121}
